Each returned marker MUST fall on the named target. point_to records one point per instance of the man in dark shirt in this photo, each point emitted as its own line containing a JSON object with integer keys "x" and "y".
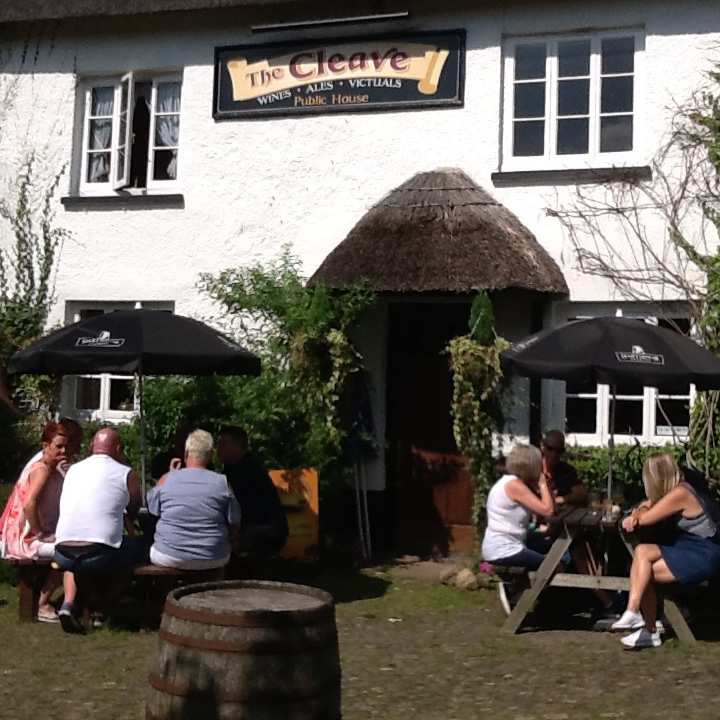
{"x": 263, "y": 522}
{"x": 161, "y": 462}
{"x": 562, "y": 478}
{"x": 567, "y": 489}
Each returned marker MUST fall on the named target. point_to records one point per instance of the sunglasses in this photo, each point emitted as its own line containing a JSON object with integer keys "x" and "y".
{"x": 558, "y": 450}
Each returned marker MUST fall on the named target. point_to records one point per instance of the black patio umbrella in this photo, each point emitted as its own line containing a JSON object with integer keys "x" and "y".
{"x": 140, "y": 342}
{"x": 613, "y": 350}
{"x": 149, "y": 342}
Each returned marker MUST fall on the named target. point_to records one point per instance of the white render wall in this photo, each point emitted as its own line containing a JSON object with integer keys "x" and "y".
{"x": 251, "y": 186}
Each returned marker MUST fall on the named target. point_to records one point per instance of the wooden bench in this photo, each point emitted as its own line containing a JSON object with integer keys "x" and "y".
{"x": 32, "y": 576}
{"x": 578, "y": 522}
{"x": 146, "y": 587}
{"x": 155, "y": 583}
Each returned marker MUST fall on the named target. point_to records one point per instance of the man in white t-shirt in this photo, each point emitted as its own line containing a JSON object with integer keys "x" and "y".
{"x": 96, "y": 494}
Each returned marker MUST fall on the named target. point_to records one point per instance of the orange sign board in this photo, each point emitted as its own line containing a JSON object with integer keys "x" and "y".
{"x": 298, "y": 490}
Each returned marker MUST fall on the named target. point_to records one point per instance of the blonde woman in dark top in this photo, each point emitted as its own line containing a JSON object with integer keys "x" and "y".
{"x": 692, "y": 556}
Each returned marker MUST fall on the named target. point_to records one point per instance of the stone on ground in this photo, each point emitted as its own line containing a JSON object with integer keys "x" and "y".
{"x": 466, "y": 580}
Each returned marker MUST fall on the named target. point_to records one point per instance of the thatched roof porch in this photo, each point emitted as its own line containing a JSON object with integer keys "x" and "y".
{"x": 441, "y": 232}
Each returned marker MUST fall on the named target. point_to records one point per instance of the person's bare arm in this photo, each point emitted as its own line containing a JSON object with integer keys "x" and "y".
{"x": 578, "y": 495}
{"x": 518, "y": 491}
{"x": 133, "y": 484}
{"x": 677, "y": 500}
{"x": 37, "y": 481}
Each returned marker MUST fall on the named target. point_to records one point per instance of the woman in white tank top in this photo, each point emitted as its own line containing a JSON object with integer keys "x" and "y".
{"x": 510, "y": 504}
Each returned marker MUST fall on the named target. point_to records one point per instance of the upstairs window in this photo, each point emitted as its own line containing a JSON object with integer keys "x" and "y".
{"x": 131, "y": 134}
{"x": 571, "y": 101}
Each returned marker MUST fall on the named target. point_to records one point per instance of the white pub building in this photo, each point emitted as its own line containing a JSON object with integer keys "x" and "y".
{"x": 430, "y": 148}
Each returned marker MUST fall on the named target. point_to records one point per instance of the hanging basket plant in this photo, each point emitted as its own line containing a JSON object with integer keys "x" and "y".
{"x": 476, "y": 411}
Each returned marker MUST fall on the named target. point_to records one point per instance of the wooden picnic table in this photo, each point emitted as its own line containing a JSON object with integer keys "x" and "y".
{"x": 571, "y": 523}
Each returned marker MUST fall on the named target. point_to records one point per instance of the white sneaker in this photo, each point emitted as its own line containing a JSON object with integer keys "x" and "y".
{"x": 659, "y": 627}
{"x": 629, "y": 620}
{"x": 642, "y": 638}
{"x": 504, "y": 600}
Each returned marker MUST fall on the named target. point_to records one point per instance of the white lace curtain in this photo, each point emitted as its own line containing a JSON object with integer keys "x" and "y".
{"x": 103, "y": 99}
{"x": 167, "y": 124}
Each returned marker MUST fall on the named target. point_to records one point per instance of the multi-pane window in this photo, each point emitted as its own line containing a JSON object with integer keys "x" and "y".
{"x": 640, "y": 412}
{"x": 106, "y": 396}
{"x": 131, "y": 133}
{"x": 571, "y": 99}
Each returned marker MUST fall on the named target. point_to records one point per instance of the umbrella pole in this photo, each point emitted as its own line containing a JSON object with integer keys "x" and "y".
{"x": 368, "y": 541}
{"x": 611, "y": 444}
{"x": 143, "y": 443}
{"x": 358, "y": 504}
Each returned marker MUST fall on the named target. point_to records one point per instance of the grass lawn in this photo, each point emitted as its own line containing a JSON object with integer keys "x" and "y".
{"x": 409, "y": 651}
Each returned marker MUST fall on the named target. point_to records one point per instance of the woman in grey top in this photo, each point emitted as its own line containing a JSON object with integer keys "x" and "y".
{"x": 198, "y": 515}
{"x": 693, "y": 556}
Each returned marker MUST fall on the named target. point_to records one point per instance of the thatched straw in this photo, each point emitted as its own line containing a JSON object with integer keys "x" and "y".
{"x": 440, "y": 231}
{"x": 23, "y": 10}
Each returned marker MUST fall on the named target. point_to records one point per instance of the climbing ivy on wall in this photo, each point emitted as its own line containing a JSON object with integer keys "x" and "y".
{"x": 477, "y": 417}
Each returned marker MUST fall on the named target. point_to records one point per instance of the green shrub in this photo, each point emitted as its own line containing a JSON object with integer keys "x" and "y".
{"x": 592, "y": 464}
{"x": 28, "y": 263}
{"x": 300, "y": 410}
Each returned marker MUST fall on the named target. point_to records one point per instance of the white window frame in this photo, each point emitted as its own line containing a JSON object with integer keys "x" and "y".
{"x": 122, "y": 140}
{"x": 118, "y": 182}
{"x": 73, "y": 311}
{"x": 650, "y": 395}
{"x": 594, "y": 158}
{"x": 159, "y": 80}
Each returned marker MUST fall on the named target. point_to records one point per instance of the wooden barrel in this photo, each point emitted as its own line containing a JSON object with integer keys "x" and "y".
{"x": 246, "y": 650}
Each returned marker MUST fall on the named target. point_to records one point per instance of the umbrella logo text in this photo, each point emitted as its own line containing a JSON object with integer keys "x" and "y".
{"x": 638, "y": 355}
{"x": 103, "y": 340}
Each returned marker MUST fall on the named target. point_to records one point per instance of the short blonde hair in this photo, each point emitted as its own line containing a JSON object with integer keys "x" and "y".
{"x": 525, "y": 462}
{"x": 660, "y": 475}
{"x": 199, "y": 446}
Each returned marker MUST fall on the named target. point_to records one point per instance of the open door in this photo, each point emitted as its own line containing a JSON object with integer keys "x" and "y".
{"x": 430, "y": 484}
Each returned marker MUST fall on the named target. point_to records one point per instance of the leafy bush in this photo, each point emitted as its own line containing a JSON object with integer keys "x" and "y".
{"x": 476, "y": 411}
{"x": 27, "y": 265}
{"x": 592, "y": 464}
{"x": 299, "y": 412}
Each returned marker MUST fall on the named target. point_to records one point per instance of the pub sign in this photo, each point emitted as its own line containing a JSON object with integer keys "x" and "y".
{"x": 395, "y": 72}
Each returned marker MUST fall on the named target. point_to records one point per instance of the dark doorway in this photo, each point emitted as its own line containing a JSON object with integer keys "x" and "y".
{"x": 428, "y": 480}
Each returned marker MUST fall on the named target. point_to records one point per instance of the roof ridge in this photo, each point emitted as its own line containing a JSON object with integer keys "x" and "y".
{"x": 445, "y": 204}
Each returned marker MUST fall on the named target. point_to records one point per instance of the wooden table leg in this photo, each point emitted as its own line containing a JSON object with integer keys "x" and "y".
{"x": 32, "y": 578}
{"x": 675, "y": 618}
{"x": 28, "y": 594}
{"x": 542, "y": 577}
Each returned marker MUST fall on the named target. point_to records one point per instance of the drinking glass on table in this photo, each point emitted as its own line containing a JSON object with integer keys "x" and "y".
{"x": 618, "y": 496}
{"x": 595, "y": 501}
{"x": 607, "y": 508}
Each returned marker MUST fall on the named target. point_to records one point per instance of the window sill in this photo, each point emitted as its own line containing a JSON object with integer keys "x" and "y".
{"x": 581, "y": 176}
{"x": 123, "y": 202}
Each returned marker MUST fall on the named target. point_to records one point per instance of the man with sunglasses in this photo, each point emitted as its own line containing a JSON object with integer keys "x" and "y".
{"x": 566, "y": 488}
{"x": 562, "y": 478}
